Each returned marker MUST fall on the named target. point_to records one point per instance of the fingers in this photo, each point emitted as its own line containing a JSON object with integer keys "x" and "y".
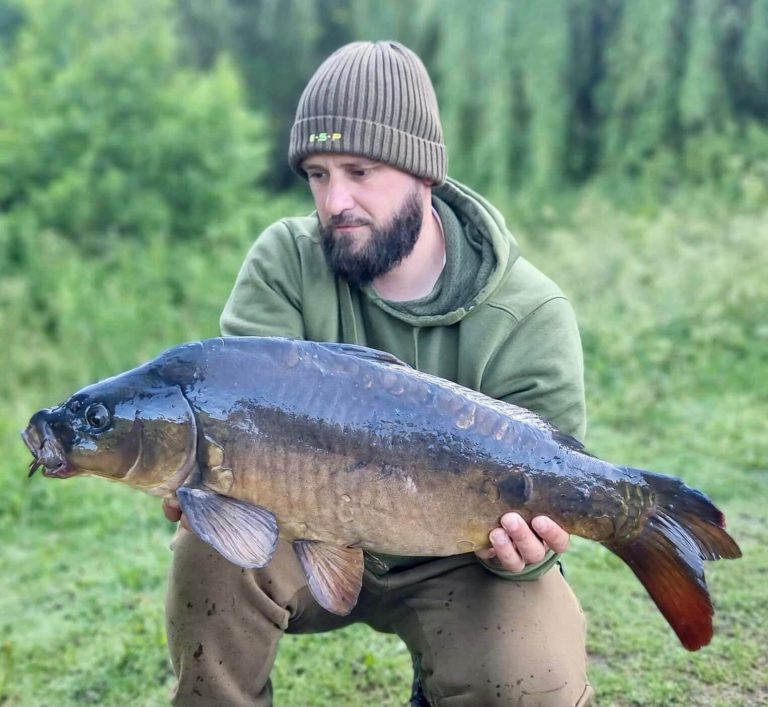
{"x": 171, "y": 509}
{"x": 551, "y": 533}
{"x": 516, "y": 544}
{"x": 528, "y": 546}
{"x": 506, "y": 552}
{"x": 486, "y": 553}
{"x": 173, "y": 512}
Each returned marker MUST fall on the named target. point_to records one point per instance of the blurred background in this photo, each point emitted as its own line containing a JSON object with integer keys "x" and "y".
{"x": 143, "y": 147}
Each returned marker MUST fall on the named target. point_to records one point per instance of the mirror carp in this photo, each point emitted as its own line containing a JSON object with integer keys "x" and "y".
{"x": 342, "y": 449}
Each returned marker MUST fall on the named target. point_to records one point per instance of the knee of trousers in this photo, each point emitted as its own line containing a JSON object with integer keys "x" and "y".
{"x": 529, "y": 642}
{"x": 555, "y": 685}
{"x": 224, "y": 624}
{"x": 579, "y": 694}
{"x": 200, "y": 577}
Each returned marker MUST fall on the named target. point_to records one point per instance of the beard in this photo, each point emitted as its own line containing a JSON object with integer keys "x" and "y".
{"x": 386, "y": 246}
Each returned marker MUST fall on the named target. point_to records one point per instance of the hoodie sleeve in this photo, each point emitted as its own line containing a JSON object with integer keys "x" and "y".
{"x": 265, "y": 300}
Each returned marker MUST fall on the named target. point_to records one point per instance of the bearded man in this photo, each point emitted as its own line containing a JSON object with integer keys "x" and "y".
{"x": 401, "y": 258}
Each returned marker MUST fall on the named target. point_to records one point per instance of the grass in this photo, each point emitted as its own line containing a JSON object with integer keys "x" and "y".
{"x": 675, "y": 331}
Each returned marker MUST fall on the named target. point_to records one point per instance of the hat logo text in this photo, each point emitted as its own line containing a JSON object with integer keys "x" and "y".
{"x": 325, "y": 137}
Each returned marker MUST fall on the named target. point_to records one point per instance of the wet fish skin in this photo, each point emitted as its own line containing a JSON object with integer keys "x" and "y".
{"x": 341, "y": 448}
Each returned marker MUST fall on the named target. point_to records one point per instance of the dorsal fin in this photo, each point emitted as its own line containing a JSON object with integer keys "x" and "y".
{"x": 364, "y": 352}
{"x": 569, "y": 441}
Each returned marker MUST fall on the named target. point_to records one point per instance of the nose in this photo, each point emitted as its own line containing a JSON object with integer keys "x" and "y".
{"x": 40, "y": 418}
{"x": 338, "y": 196}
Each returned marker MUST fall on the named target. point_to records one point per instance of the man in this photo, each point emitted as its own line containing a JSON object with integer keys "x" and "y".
{"x": 399, "y": 258}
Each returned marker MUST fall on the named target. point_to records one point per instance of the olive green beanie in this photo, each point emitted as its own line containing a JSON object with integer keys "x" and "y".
{"x": 376, "y": 100}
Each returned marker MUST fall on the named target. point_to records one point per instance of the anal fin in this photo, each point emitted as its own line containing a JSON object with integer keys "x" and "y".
{"x": 243, "y": 533}
{"x": 334, "y": 574}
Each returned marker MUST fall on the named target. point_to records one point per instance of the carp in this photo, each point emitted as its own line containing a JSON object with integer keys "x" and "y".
{"x": 342, "y": 449}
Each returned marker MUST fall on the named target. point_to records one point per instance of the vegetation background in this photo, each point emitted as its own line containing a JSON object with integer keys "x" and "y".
{"x": 142, "y": 149}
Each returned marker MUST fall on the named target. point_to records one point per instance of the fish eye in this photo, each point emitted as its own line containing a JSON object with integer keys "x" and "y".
{"x": 97, "y": 416}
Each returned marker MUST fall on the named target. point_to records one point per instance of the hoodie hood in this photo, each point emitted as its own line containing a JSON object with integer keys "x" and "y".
{"x": 479, "y": 252}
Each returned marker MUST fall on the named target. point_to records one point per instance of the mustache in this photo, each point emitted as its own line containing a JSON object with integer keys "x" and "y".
{"x": 345, "y": 220}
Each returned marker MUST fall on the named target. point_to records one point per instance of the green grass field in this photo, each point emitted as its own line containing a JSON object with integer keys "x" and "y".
{"x": 675, "y": 328}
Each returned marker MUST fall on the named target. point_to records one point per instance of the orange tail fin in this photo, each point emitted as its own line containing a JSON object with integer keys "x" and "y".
{"x": 683, "y": 529}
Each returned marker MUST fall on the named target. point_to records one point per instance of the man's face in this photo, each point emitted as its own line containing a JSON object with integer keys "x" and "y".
{"x": 370, "y": 213}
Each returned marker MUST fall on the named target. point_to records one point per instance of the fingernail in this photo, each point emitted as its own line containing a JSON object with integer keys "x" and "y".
{"x": 513, "y": 521}
{"x": 542, "y": 525}
{"x": 499, "y": 537}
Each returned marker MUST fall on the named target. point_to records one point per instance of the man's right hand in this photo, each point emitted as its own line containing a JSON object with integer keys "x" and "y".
{"x": 173, "y": 512}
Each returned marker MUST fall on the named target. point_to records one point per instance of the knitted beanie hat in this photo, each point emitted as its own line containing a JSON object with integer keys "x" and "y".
{"x": 376, "y": 100}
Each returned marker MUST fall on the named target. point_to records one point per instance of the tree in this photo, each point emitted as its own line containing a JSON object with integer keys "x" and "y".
{"x": 102, "y": 130}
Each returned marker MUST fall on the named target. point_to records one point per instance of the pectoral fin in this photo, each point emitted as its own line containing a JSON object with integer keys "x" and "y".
{"x": 243, "y": 533}
{"x": 334, "y": 574}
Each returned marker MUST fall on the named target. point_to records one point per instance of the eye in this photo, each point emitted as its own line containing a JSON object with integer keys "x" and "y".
{"x": 97, "y": 416}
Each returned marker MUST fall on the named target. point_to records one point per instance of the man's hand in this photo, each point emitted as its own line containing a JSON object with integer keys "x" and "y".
{"x": 516, "y": 544}
{"x": 173, "y": 512}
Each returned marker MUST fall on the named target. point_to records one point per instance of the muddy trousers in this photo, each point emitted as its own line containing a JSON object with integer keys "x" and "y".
{"x": 479, "y": 640}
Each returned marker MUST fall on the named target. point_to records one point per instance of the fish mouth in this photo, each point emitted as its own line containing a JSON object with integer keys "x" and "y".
{"x": 47, "y": 453}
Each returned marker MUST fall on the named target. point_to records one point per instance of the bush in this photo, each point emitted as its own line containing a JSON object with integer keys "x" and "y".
{"x": 102, "y": 130}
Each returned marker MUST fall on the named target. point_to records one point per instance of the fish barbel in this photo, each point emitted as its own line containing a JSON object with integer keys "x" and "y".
{"x": 341, "y": 449}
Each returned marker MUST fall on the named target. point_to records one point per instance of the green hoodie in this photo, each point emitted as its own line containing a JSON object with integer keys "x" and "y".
{"x": 493, "y": 322}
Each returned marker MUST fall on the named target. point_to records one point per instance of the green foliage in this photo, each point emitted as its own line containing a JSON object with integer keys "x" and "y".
{"x": 11, "y": 18}
{"x": 755, "y": 59}
{"x": 535, "y": 97}
{"x": 639, "y": 95}
{"x": 102, "y": 132}
{"x": 703, "y": 98}
{"x": 277, "y": 45}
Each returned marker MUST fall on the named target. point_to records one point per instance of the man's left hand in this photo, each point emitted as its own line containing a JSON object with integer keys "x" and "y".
{"x": 516, "y": 544}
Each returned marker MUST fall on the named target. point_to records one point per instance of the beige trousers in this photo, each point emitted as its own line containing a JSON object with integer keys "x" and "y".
{"x": 480, "y": 640}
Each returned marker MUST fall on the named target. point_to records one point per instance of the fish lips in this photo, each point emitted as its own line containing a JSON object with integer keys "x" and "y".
{"x": 47, "y": 452}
